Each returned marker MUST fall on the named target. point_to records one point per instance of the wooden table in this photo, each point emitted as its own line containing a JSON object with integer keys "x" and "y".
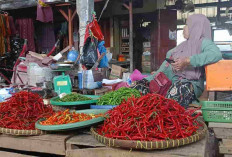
{"x": 50, "y": 143}
{"x": 82, "y": 144}
{"x": 86, "y": 145}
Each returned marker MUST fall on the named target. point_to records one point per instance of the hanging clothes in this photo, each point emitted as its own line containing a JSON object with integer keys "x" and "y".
{"x": 2, "y": 35}
{"x": 12, "y": 26}
{"x": 46, "y": 37}
{"x": 44, "y": 12}
{"x": 8, "y": 33}
{"x": 25, "y": 28}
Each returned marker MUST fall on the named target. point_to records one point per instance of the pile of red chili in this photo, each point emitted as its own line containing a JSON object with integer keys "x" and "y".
{"x": 149, "y": 118}
{"x": 67, "y": 117}
{"x": 22, "y": 110}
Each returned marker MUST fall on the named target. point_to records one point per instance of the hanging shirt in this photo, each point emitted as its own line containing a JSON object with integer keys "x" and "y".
{"x": 44, "y": 12}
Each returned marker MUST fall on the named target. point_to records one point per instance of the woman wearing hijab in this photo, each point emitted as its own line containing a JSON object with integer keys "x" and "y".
{"x": 187, "y": 73}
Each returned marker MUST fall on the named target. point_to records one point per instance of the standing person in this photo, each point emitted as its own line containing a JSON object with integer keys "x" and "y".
{"x": 190, "y": 57}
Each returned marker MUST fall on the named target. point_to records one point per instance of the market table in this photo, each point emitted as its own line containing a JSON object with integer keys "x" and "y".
{"x": 50, "y": 143}
{"x": 82, "y": 143}
{"x": 85, "y": 145}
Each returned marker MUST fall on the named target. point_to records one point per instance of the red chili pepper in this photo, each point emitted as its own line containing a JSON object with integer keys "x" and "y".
{"x": 22, "y": 110}
{"x": 150, "y": 117}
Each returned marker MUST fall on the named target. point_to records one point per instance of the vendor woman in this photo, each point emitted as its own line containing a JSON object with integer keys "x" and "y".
{"x": 187, "y": 73}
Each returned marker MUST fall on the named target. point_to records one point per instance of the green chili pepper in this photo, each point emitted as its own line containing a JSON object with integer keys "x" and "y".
{"x": 73, "y": 97}
{"x": 116, "y": 97}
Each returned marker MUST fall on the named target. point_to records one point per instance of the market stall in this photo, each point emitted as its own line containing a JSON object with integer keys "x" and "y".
{"x": 75, "y": 102}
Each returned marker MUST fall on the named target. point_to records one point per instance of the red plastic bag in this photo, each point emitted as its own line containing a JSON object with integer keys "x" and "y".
{"x": 95, "y": 29}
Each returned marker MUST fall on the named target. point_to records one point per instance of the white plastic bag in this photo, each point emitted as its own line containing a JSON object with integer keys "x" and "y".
{"x": 88, "y": 80}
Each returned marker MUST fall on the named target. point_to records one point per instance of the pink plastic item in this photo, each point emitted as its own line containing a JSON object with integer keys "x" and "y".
{"x": 120, "y": 85}
{"x": 137, "y": 75}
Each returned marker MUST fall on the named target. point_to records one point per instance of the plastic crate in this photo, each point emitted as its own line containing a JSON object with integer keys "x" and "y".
{"x": 217, "y": 111}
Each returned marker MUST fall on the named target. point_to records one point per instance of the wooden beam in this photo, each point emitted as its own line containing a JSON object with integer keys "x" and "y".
{"x": 131, "y": 37}
{"x": 74, "y": 14}
{"x": 63, "y": 13}
{"x": 126, "y": 6}
{"x": 70, "y": 27}
{"x": 203, "y": 5}
{"x": 98, "y": 0}
{"x": 63, "y": 4}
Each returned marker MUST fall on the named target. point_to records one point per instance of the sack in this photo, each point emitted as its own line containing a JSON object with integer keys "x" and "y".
{"x": 160, "y": 84}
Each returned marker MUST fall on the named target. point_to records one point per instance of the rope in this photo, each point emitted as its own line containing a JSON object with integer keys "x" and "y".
{"x": 104, "y": 8}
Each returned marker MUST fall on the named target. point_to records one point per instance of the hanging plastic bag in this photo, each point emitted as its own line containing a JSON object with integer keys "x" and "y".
{"x": 104, "y": 61}
{"x": 90, "y": 55}
{"x": 96, "y": 30}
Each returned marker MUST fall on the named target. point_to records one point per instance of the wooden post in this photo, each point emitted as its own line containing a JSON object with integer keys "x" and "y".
{"x": 70, "y": 28}
{"x": 69, "y": 18}
{"x": 131, "y": 36}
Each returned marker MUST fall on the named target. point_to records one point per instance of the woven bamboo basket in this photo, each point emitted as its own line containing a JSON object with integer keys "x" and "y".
{"x": 151, "y": 145}
{"x": 21, "y": 132}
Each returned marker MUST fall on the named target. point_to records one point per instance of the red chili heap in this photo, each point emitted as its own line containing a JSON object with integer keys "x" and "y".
{"x": 149, "y": 118}
{"x": 22, "y": 110}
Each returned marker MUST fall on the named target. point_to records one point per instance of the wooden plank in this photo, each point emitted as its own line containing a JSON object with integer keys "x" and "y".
{"x": 52, "y": 144}
{"x": 196, "y": 149}
{"x": 11, "y": 154}
{"x": 84, "y": 140}
{"x": 220, "y": 125}
{"x": 212, "y": 96}
{"x": 227, "y": 142}
{"x": 223, "y": 133}
{"x": 223, "y": 149}
{"x": 108, "y": 152}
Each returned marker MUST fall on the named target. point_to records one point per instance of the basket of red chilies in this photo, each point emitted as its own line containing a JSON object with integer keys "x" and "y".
{"x": 19, "y": 114}
{"x": 150, "y": 122}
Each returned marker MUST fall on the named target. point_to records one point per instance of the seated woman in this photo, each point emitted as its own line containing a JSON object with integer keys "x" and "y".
{"x": 187, "y": 73}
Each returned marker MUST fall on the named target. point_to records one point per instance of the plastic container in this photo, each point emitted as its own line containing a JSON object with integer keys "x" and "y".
{"x": 37, "y": 74}
{"x": 72, "y": 55}
{"x": 94, "y": 98}
{"x": 121, "y": 58}
{"x": 80, "y": 81}
{"x": 217, "y": 111}
{"x": 73, "y": 126}
{"x": 102, "y": 106}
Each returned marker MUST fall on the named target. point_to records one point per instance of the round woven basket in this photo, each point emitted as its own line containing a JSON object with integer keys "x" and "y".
{"x": 151, "y": 145}
{"x": 22, "y": 132}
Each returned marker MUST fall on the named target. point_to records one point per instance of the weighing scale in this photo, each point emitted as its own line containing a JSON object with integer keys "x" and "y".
{"x": 62, "y": 83}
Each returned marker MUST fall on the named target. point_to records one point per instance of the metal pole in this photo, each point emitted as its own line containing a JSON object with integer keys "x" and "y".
{"x": 131, "y": 36}
{"x": 85, "y": 9}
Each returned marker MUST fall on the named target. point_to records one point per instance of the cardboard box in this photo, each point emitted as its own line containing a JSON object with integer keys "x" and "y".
{"x": 146, "y": 58}
{"x": 116, "y": 72}
{"x": 100, "y": 74}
